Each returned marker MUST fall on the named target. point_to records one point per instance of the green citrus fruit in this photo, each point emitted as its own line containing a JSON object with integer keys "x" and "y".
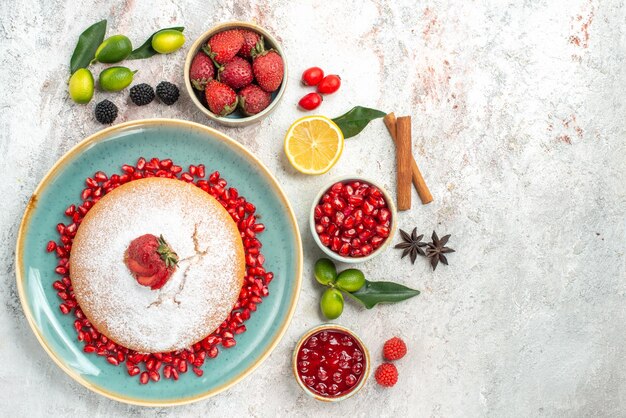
{"x": 350, "y": 280}
{"x": 81, "y": 86}
{"x": 331, "y": 303}
{"x": 325, "y": 271}
{"x": 114, "y": 49}
{"x": 167, "y": 41}
{"x": 116, "y": 78}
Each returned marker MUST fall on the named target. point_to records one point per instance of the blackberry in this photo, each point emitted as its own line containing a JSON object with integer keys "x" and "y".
{"x": 106, "y": 112}
{"x": 142, "y": 94}
{"x": 167, "y": 92}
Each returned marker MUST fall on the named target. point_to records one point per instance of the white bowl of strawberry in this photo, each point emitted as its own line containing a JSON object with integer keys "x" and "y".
{"x": 235, "y": 73}
{"x": 353, "y": 219}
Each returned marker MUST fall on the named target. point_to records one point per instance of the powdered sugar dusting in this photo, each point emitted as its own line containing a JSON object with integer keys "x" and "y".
{"x": 200, "y": 293}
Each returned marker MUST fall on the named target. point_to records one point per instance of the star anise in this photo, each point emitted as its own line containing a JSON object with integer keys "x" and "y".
{"x": 436, "y": 250}
{"x": 412, "y": 244}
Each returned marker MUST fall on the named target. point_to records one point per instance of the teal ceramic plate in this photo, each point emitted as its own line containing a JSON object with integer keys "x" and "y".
{"x": 186, "y": 143}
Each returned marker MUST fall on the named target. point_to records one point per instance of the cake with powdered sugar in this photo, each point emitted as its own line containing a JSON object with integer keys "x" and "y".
{"x": 157, "y": 264}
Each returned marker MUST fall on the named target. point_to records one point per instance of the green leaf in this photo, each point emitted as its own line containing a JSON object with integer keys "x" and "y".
{"x": 88, "y": 43}
{"x": 146, "y": 50}
{"x": 373, "y": 293}
{"x": 353, "y": 122}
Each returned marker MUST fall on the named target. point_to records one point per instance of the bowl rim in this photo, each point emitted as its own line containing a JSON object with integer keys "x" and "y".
{"x": 392, "y": 228}
{"x": 195, "y": 47}
{"x": 20, "y": 274}
{"x": 331, "y": 326}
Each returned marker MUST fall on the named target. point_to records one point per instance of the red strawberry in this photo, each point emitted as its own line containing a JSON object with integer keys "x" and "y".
{"x": 222, "y": 100}
{"x": 268, "y": 68}
{"x": 253, "y": 99}
{"x": 223, "y": 46}
{"x": 201, "y": 70}
{"x": 150, "y": 260}
{"x": 251, "y": 40}
{"x": 236, "y": 73}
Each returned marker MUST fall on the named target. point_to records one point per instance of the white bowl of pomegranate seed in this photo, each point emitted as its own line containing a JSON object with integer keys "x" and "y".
{"x": 353, "y": 219}
{"x": 235, "y": 73}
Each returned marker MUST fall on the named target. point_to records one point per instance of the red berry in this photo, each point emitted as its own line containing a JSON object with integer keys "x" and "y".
{"x": 394, "y": 349}
{"x": 251, "y": 40}
{"x": 386, "y": 375}
{"x": 269, "y": 69}
{"x": 312, "y": 76}
{"x": 201, "y": 70}
{"x": 222, "y": 100}
{"x": 310, "y": 101}
{"x": 329, "y": 84}
{"x": 253, "y": 99}
{"x": 223, "y": 46}
{"x": 236, "y": 73}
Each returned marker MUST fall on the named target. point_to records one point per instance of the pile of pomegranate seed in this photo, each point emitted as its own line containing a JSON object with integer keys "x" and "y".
{"x": 150, "y": 367}
{"x": 352, "y": 219}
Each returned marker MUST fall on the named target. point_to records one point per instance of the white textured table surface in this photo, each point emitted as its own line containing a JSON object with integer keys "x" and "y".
{"x": 519, "y": 127}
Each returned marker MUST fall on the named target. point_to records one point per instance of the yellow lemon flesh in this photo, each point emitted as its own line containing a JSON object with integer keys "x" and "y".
{"x": 313, "y": 144}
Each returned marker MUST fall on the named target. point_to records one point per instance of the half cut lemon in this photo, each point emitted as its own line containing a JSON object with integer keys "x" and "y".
{"x": 313, "y": 144}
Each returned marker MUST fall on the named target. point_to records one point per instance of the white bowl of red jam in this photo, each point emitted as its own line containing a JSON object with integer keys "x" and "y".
{"x": 353, "y": 219}
{"x": 331, "y": 363}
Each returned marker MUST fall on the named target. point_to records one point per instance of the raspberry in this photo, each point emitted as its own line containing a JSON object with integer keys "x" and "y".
{"x": 142, "y": 94}
{"x": 394, "y": 349}
{"x": 106, "y": 112}
{"x": 386, "y": 375}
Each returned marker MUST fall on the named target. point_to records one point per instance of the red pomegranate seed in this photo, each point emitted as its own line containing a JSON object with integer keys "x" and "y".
{"x": 91, "y": 183}
{"x": 128, "y": 169}
{"x": 154, "y": 375}
{"x": 134, "y": 371}
{"x": 100, "y": 176}
{"x": 51, "y": 246}
{"x": 143, "y": 379}
{"x": 229, "y": 342}
{"x": 198, "y": 371}
{"x": 186, "y": 177}
{"x": 166, "y": 164}
{"x": 113, "y": 360}
{"x": 377, "y": 241}
{"x": 71, "y": 209}
{"x": 382, "y": 231}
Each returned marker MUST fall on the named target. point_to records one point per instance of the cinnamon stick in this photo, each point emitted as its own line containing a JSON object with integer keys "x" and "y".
{"x": 403, "y": 159}
{"x": 418, "y": 181}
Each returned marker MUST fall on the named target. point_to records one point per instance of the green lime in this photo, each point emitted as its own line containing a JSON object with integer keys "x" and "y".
{"x": 331, "y": 303}
{"x": 114, "y": 49}
{"x": 167, "y": 41}
{"x": 81, "y": 86}
{"x": 116, "y": 78}
{"x": 325, "y": 271}
{"x": 350, "y": 280}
